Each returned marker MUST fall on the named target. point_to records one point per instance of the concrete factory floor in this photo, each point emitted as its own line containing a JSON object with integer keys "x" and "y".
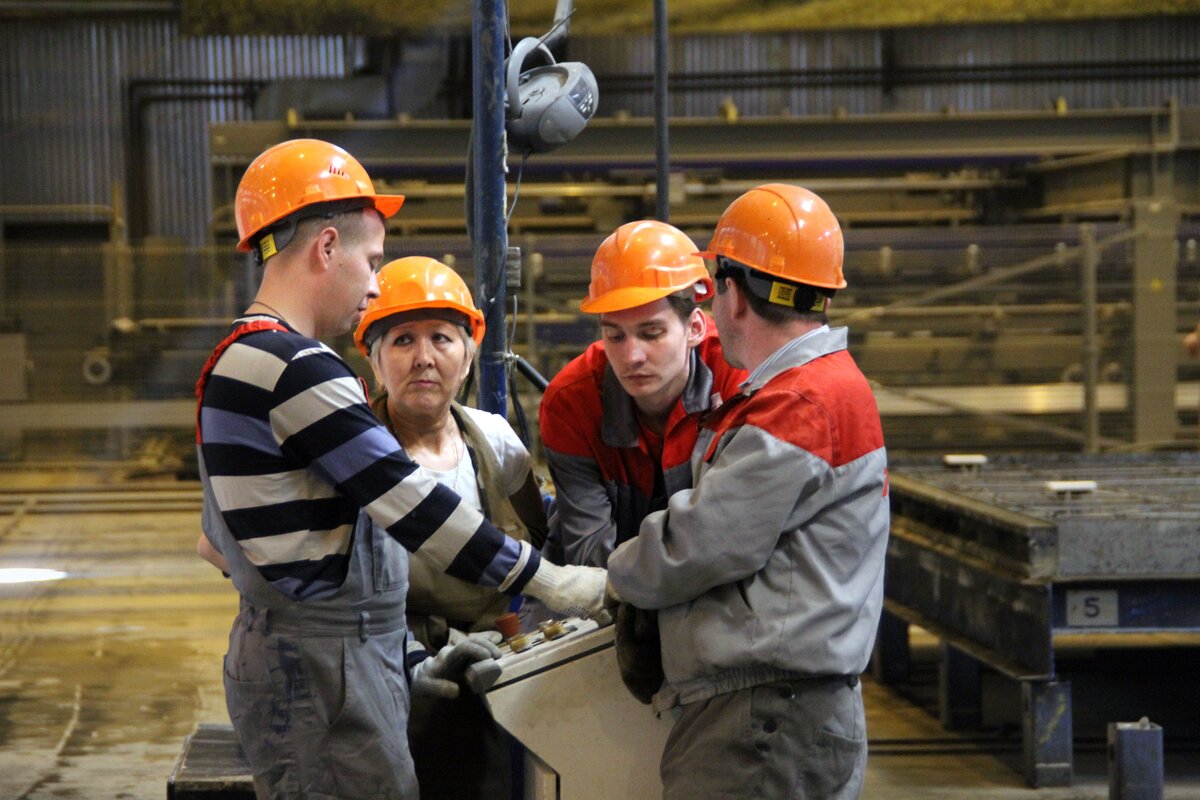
{"x": 104, "y": 672}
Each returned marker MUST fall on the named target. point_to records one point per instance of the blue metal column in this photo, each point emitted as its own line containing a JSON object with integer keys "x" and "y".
{"x": 960, "y": 688}
{"x": 662, "y": 196}
{"x": 1135, "y": 760}
{"x": 490, "y": 243}
{"x": 1047, "y": 733}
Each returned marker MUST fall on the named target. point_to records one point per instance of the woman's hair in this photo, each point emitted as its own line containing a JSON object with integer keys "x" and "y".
{"x": 457, "y": 319}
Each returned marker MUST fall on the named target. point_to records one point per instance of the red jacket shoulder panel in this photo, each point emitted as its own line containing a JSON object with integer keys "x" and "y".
{"x": 824, "y": 407}
{"x": 570, "y": 412}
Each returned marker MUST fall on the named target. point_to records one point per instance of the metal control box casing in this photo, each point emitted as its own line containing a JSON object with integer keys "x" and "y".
{"x": 589, "y": 738}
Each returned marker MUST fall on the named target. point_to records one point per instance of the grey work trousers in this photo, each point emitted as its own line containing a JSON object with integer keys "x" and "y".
{"x": 803, "y": 739}
{"x": 327, "y": 714}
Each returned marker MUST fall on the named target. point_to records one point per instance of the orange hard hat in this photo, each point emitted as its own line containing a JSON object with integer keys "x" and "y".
{"x": 784, "y": 231}
{"x": 291, "y": 175}
{"x": 639, "y": 263}
{"x": 417, "y": 282}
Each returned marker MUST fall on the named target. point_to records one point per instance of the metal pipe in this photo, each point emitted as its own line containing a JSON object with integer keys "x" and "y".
{"x": 988, "y": 310}
{"x": 662, "y": 194}
{"x": 893, "y": 75}
{"x": 122, "y": 291}
{"x": 531, "y": 319}
{"x": 530, "y": 372}
{"x": 716, "y": 188}
{"x": 563, "y": 10}
{"x": 38, "y": 210}
{"x": 535, "y": 261}
{"x": 1089, "y": 264}
{"x": 139, "y": 95}
{"x": 75, "y": 7}
{"x": 1074, "y": 162}
{"x": 489, "y": 244}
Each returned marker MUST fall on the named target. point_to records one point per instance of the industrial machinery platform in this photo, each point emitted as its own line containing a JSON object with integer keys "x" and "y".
{"x": 1007, "y": 559}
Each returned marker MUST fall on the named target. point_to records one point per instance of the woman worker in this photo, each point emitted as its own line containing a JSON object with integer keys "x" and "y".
{"x": 420, "y": 336}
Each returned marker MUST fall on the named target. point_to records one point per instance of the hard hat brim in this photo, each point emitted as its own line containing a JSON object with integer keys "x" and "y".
{"x": 388, "y": 204}
{"x": 623, "y": 299}
{"x": 473, "y": 316}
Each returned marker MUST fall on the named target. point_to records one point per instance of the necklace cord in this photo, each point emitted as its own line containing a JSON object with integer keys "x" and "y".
{"x": 268, "y": 308}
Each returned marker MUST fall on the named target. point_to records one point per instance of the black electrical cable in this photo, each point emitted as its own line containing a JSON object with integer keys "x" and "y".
{"x": 516, "y": 189}
{"x": 518, "y": 409}
{"x": 512, "y": 329}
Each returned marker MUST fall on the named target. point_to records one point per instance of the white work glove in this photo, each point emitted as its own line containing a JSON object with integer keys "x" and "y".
{"x": 439, "y": 676}
{"x": 611, "y": 598}
{"x": 571, "y": 589}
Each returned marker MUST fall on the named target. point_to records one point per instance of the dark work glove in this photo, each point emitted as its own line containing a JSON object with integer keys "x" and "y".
{"x": 639, "y": 652}
{"x": 440, "y": 675}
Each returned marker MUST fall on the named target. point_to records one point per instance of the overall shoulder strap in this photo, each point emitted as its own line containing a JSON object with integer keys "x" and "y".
{"x": 244, "y": 329}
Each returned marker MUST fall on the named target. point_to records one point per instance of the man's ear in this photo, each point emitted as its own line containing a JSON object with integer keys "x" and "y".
{"x": 697, "y": 326}
{"x": 739, "y": 307}
{"x": 324, "y": 244}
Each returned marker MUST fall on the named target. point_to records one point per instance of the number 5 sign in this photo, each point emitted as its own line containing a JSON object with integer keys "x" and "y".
{"x": 1096, "y": 608}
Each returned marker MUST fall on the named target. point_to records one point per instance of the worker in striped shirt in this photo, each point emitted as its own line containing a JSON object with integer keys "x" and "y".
{"x": 295, "y": 467}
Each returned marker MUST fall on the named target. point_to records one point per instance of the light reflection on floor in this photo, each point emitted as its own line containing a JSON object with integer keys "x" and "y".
{"x": 105, "y": 670}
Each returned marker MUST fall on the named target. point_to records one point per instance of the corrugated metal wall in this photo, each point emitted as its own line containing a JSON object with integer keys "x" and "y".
{"x": 64, "y": 85}
{"x": 1121, "y": 44}
{"x": 63, "y": 93}
{"x": 755, "y": 71}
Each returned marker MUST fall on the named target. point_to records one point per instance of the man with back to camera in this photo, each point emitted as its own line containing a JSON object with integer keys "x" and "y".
{"x": 619, "y": 421}
{"x": 768, "y": 574}
{"x": 295, "y": 466}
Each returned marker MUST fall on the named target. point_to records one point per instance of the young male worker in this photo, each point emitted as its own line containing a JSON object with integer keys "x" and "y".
{"x": 619, "y": 422}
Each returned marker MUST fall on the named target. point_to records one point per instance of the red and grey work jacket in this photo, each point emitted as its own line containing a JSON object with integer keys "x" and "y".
{"x": 608, "y": 471}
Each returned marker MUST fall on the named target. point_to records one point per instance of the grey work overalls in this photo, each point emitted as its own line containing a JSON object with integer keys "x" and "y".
{"x": 317, "y": 690}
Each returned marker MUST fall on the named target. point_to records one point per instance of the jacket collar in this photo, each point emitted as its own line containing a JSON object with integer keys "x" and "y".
{"x": 619, "y": 425}
{"x": 812, "y": 345}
